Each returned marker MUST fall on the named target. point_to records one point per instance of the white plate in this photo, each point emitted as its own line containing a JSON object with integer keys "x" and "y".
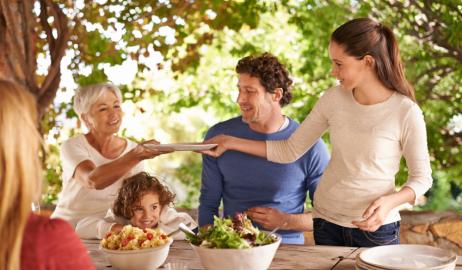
{"x": 408, "y": 257}
{"x": 360, "y": 265}
{"x": 180, "y": 146}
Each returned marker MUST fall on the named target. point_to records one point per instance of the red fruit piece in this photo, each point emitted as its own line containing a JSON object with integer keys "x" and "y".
{"x": 124, "y": 242}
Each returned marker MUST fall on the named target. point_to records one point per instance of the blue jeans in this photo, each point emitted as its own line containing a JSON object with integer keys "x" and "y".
{"x": 327, "y": 233}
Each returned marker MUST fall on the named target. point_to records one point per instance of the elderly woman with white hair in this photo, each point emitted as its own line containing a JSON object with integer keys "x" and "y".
{"x": 95, "y": 163}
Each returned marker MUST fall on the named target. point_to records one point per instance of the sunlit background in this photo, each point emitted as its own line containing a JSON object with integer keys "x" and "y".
{"x": 171, "y": 98}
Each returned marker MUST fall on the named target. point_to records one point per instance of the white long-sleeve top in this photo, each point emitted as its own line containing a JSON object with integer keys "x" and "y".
{"x": 95, "y": 227}
{"x": 368, "y": 142}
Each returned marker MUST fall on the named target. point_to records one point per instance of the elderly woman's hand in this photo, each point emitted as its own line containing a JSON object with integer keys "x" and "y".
{"x": 143, "y": 152}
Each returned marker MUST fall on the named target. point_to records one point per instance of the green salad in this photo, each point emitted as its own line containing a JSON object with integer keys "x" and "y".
{"x": 236, "y": 233}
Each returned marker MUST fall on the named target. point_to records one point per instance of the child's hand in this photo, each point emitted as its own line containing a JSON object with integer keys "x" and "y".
{"x": 116, "y": 227}
{"x": 375, "y": 214}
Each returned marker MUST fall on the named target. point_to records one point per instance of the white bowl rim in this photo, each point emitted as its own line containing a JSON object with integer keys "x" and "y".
{"x": 133, "y": 251}
{"x": 278, "y": 241}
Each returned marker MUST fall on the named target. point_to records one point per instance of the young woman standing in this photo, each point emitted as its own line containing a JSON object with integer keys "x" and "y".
{"x": 373, "y": 120}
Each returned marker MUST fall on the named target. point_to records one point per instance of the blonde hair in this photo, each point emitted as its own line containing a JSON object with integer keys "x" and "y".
{"x": 19, "y": 168}
{"x": 88, "y": 95}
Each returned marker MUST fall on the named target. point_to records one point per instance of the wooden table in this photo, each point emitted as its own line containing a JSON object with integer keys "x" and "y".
{"x": 287, "y": 257}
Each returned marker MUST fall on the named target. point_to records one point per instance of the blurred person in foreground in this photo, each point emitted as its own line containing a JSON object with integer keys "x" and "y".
{"x": 28, "y": 241}
{"x": 273, "y": 195}
{"x": 95, "y": 163}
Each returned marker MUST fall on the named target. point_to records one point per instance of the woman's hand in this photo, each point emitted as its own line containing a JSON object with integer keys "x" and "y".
{"x": 377, "y": 212}
{"x": 221, "y": 140}
{"x": 143, "y": 152}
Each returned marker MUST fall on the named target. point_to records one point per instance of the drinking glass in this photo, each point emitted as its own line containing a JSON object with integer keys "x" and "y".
{"x": 35, "y": 207}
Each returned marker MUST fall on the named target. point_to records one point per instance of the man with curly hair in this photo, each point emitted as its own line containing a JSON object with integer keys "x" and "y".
{"x": 251, "y": 184}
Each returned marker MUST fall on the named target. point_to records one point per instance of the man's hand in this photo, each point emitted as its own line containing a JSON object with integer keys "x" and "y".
{"x": 269, "y": 218}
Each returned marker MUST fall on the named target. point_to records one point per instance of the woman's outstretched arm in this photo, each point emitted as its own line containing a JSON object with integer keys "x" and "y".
{"x": 225, "y": 142}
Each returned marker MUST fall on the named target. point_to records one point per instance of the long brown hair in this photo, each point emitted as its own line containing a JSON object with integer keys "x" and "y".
{"x": 19, "y": 168}
{"x": 364, "y": 36}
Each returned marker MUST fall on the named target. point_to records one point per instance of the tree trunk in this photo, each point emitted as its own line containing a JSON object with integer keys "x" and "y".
{"x": 19, "y": 31}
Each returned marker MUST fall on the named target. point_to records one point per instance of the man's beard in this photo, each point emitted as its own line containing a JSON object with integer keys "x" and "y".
{"x": 250, "y": 120}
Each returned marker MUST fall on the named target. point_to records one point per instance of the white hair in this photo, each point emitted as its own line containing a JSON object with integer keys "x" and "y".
{"x": 86, "y": 96}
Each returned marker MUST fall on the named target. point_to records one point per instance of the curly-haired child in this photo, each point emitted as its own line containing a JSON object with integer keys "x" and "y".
{"x": 142, "y": 201}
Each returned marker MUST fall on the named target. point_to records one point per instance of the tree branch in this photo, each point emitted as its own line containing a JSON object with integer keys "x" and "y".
{"x": 47, "y": 97}
{"x": 431, "y": 31}
{"x": 438, "y": 36}
{"x": 57, "y": 47}
{"x": 29, "y": 45}
{"x": 44, "y": 22}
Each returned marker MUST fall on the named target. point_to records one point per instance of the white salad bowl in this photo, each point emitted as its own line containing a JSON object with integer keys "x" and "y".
{"x": 138, "y": 259}
{"x": 255, "y": 258}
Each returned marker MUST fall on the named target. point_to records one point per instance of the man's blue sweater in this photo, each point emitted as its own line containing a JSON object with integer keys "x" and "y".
{"x": 243, "y": 181}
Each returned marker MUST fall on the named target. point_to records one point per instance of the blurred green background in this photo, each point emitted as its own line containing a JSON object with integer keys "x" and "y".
{"x": 174, "y": 61}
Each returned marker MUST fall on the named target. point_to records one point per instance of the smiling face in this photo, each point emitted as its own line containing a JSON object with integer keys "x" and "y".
{"x": 147, "y": 213}
{"x": 105, "y": 115}
{"x": 348, "y": 70}
{"x": 256, "y": 104}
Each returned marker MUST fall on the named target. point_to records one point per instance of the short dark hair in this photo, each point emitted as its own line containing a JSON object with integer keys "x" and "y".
{"x": 134, "y": 188}
{"x": 270, "y": 72}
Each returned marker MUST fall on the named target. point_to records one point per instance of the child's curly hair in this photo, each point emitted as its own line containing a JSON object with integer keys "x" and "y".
{"x": 134, "y": 188}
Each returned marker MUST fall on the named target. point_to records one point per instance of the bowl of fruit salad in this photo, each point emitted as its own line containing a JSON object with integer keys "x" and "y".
{"x": 135, "y": 248}
{"x": 234, "y": 244}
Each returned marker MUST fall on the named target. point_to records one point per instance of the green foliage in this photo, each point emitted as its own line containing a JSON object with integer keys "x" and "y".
{"x": 53, "y": 172}
{"x": 209, "y": 38}
{"x": 439, "y": 199}
{"x": 144, "y": 24}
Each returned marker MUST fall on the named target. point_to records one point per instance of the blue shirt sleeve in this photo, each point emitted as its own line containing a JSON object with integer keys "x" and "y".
{"x": 211, "y": 188}
{"x": 318, "y": 160}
